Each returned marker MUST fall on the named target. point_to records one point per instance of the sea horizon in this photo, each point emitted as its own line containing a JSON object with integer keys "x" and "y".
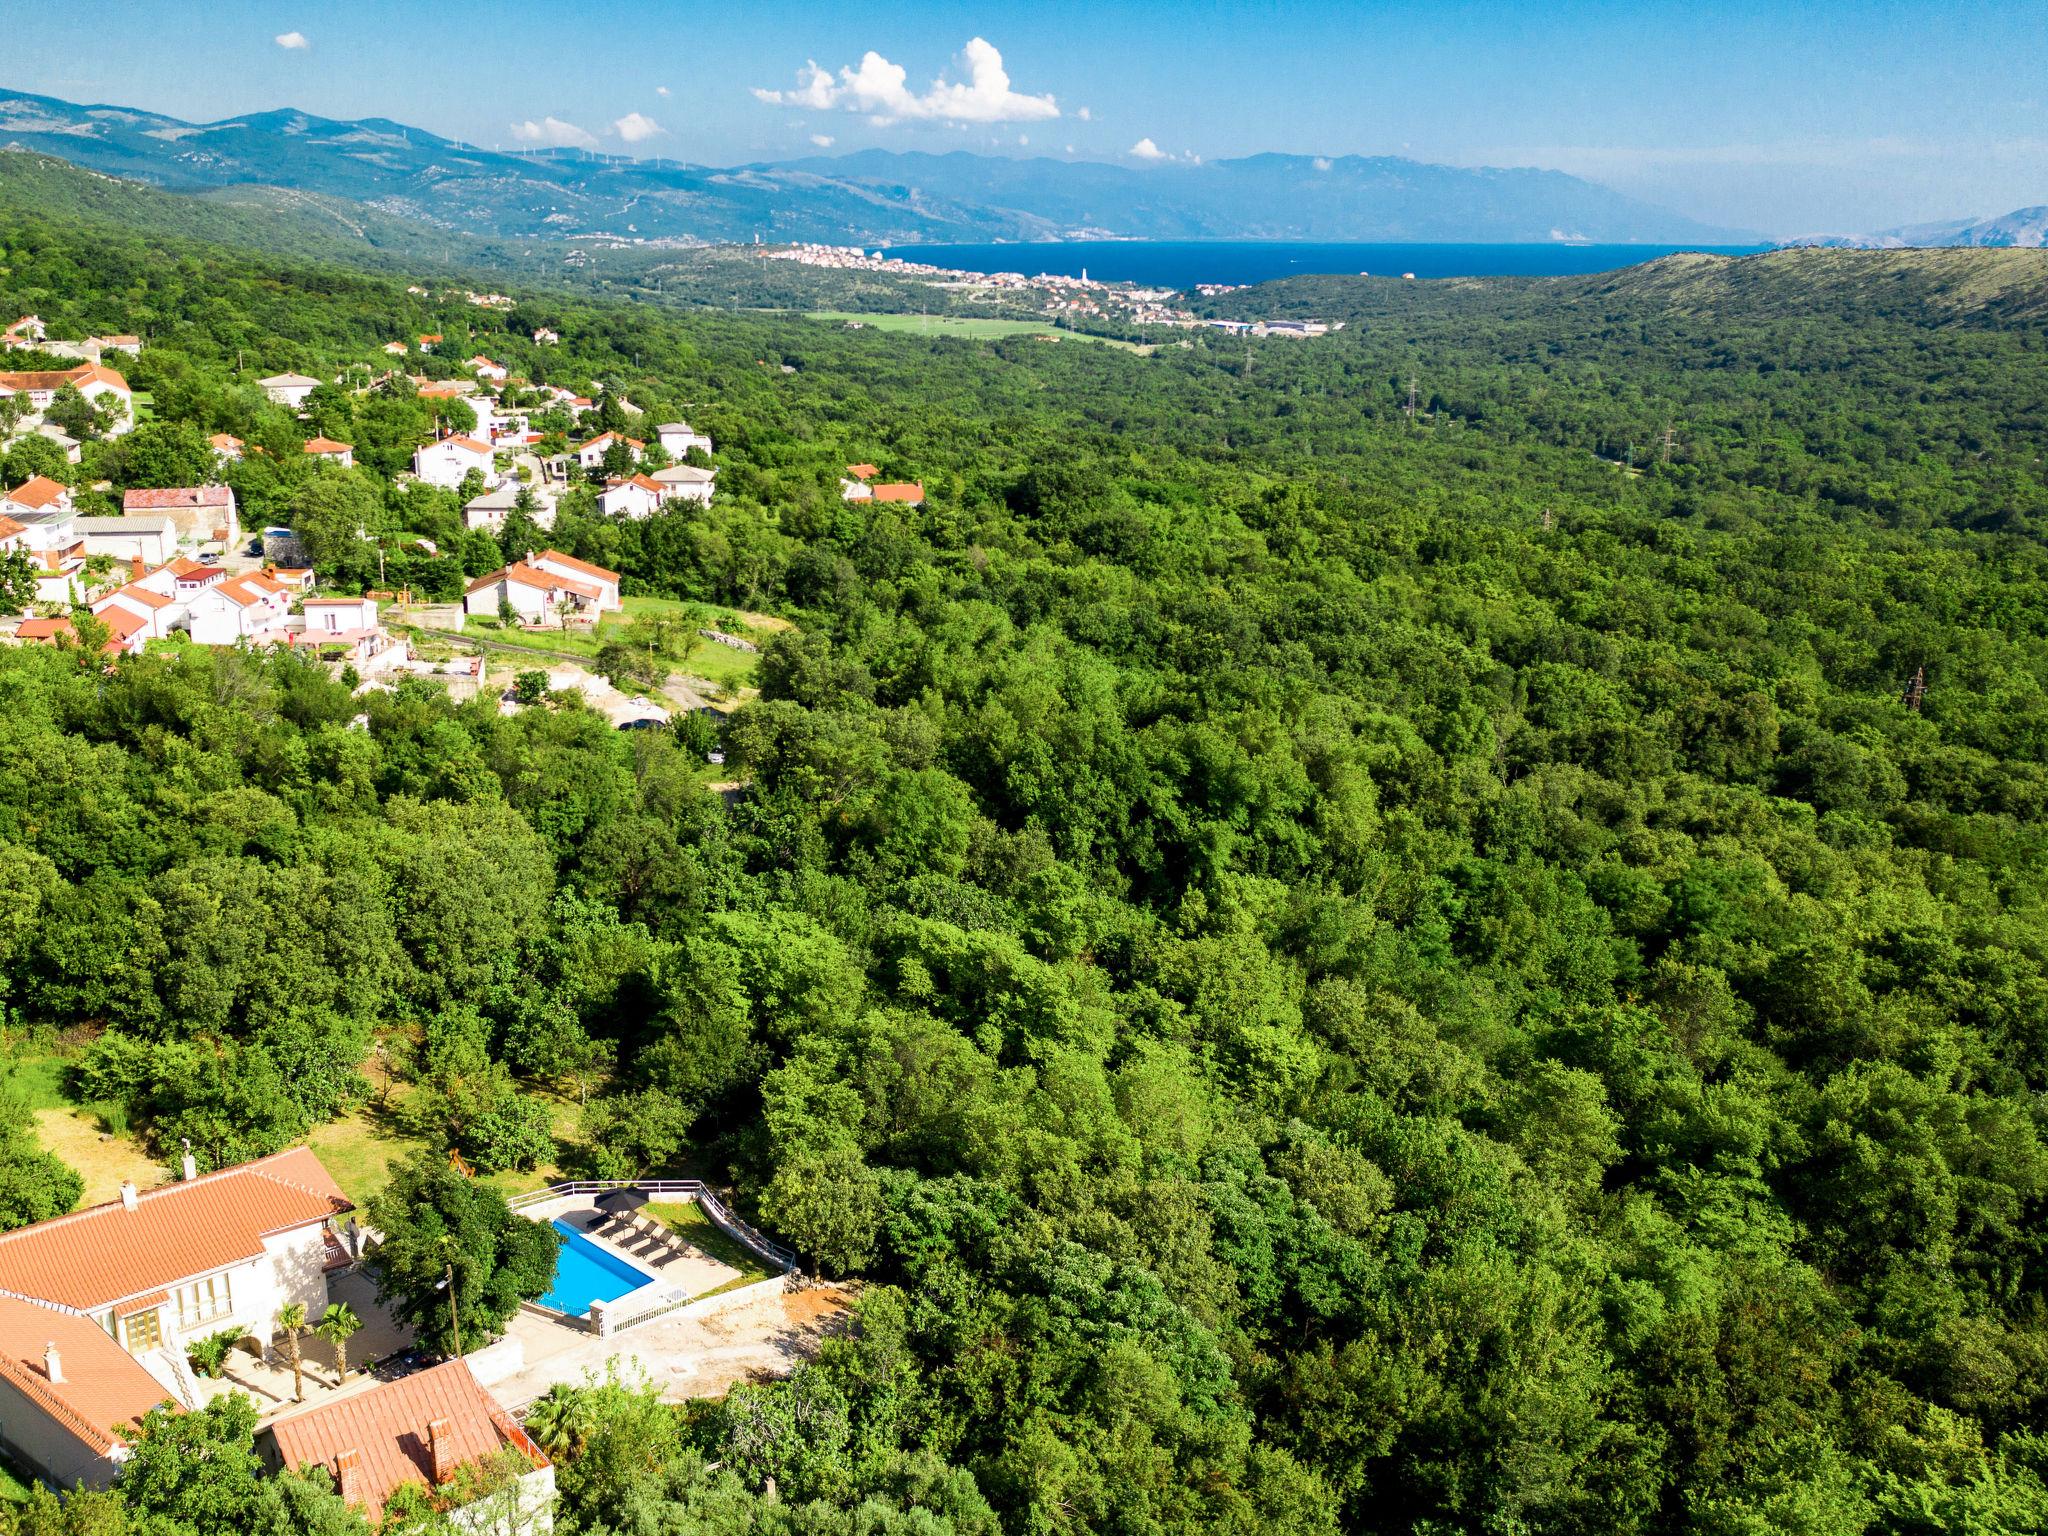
{"x": 1183, "y": 264}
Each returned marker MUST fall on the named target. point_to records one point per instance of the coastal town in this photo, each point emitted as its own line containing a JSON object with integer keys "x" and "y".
{"x": 1071, "y": 300}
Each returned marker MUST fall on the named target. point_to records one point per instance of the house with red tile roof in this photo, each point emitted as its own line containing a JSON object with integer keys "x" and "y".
{"x": 634, "y": 496}
{"x": 448, "y": 461}
{"x": 240, "y": 608}
{"x": 38, "y": 493}
{"x": 333, "y": 452}
{"x": 202, "y": 514}
{"x": 606, "y": 582}
{"x": 909, "y": 492}
{"x": 591, "y": 454}
{"x": 425, "y": 1428}
{"x": 547, "y": 588}
{"x": 101, "y": 385}
{"x": 97, "y": 1307}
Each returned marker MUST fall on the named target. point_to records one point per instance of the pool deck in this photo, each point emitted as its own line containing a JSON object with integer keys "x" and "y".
{"x": 675, "y": 1266}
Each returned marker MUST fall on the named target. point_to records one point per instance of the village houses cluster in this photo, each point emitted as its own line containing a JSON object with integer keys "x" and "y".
{"x": 179, "y": 559}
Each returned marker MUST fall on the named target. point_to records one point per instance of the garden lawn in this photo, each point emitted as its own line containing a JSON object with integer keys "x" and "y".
{"x": 687, "y": 1220}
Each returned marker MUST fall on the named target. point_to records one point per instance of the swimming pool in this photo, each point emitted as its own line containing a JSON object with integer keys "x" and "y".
{"x": 585, "y": 1273}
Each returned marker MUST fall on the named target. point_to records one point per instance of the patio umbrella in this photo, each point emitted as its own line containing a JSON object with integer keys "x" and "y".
{"x": 618, "y": 1202}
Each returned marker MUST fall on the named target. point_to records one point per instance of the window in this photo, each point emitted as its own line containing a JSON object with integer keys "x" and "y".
{"x": 142, "y": 1331}
{"x": 203, "y": 1300}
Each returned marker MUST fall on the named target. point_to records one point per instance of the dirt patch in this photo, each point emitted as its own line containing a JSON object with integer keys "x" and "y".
{"x": 103, "y": 1161}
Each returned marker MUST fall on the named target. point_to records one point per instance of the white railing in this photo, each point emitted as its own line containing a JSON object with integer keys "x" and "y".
{"x": 697, "y": 1190}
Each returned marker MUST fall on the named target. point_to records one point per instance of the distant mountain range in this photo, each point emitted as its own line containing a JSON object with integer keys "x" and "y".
{"x": 870, "y": 198}
{"x": 2023, "y": 228}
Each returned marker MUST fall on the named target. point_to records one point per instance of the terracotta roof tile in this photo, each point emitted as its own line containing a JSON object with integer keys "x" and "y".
{"x": 176, "y": 496}
{"x": 103, "y": 1390}
{"x": 908, "y": 492}
{"x": 106, "y": 1253}
{"x": 576, "y": 565}
{"x": 37, "y": 492}
{"x": 387, "y": 1429}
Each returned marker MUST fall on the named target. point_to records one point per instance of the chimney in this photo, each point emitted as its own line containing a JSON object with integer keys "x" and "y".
{"x": 130, "y": 1197}
{"x": 348, "y": 1477}
{"x": 441, "y": 1448}
{"x": 191, "y": 1168}
{"x": 53, "y": 1364}
{"x": 137, "y": 568}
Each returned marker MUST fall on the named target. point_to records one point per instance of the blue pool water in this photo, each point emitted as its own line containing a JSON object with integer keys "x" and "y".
{"x": 585, "y": 1273}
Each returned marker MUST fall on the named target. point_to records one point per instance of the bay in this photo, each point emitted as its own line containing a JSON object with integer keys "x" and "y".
{"x": 1184, "y": 263}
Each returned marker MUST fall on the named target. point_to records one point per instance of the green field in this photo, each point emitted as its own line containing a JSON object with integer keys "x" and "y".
{"x": 717, "y": 664}
{"x": 969, "y": 328}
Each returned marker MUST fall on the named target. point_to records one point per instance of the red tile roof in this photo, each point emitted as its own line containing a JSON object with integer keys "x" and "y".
{"x": 38, "y": 492}
{"x": 176, "y": 496}
{"x": 103, "y": 1388}
{"x": 532, "y": 576}
{"x": 387, "y": 1429}
{"x": 43, "y": 629}
{"x": 907, "y": 491}
{"x": 862, "y": 471}
{"x": 84, "y": 373}
{"x": 9, "y": 527}
{"x": 194, "y": 570}
{"x": 142, "y": 595}
{"x": 327, "y": 445}
{"x": 577, "y": 565}
{"x": 106, "y": 1253}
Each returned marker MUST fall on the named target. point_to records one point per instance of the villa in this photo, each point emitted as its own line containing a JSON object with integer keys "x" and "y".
{"x": 288, "y": 389}
{"x": 97, "y": 1307}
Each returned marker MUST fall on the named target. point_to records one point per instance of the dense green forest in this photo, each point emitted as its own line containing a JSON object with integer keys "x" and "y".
{"x": 1329, "y": 970}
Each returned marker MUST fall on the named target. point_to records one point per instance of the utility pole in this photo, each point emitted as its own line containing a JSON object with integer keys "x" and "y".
{"x": 1411, "y": 399}
{"x": 454, "y": 1318}
{"x": 1665, "y": 457}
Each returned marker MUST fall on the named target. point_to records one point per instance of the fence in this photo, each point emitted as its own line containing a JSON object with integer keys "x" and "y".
{"x": 689, "y": 1189}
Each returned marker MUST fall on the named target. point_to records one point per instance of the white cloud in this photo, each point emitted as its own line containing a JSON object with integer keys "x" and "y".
{"x": 823, "y": 140}
{"x": 661, "y": 90}
{"x": 554, "y": 134}
{"x": 1086, "y": 115}
{"x": 1322, "y": 162}
{"x": 290, "y": 40}
{"x": 635, "y": 126}
{"x": 1145, "y": 149}
{"x": 877, "y": 88}
{"x": 1024, "y": 139}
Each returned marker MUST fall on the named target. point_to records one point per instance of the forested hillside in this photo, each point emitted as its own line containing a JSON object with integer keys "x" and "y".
{"x": 1329, "y": 971}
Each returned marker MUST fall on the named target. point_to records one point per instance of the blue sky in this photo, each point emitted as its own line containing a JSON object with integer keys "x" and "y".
{"x": 1783, "y": 118}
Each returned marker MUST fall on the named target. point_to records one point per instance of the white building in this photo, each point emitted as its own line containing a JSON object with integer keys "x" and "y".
{"x": 331, "y": 452}
{"x": 591, "y": 454}
{"x": 449, "y": 460}
{"x": 637, "y": 497}
{"x": 152, "y": 540}
{"x": 606, "y": 582}
{"x": 97, "y": 1308}
{"x": 547, "y": 588}
{"x": 679, "y": 437}
{"x": 289, "y": 389}
{"x": 686, "y": 482}
{"x": 239, "y": 608}
{"x": 490, "y": 510}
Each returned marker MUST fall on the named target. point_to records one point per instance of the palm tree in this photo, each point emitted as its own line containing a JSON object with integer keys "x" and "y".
{"x": 291, "y": 1322}
{"x": 337, "y": 1325}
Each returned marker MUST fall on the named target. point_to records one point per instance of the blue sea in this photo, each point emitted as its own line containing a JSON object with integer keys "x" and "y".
{"x": 1184, "y": 263}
